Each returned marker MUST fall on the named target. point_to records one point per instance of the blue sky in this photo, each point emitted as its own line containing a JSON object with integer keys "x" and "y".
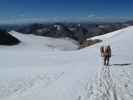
{"x": 51, "y": 10}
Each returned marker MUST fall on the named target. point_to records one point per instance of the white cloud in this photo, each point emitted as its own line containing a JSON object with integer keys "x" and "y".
{"x": 91, "y": 15}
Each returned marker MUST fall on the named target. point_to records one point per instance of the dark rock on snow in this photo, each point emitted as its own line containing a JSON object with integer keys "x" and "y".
{"x": 7, "y": 39}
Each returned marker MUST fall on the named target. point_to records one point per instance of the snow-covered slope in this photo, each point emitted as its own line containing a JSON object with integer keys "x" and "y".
{"x": 33, "y": 74}
{"x": 33, "y": 42}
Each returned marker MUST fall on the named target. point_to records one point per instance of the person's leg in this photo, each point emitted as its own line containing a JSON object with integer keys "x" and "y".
{"x": 108, "y": 58}
{"x": 105, "y": 60}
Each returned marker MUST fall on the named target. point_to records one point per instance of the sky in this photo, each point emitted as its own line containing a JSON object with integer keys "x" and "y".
{"x": 68, "y": 10}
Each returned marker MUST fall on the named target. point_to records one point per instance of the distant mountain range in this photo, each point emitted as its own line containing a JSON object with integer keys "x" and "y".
{"x": 77, "y": 31}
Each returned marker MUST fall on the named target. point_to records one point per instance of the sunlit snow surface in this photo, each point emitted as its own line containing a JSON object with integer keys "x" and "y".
{"x": 36, "y": 71}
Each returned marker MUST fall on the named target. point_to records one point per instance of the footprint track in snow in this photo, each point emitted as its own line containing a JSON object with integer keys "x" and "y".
{"x": 103, "y": 88}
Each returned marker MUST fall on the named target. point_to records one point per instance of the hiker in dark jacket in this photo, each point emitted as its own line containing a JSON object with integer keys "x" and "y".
{"x": 106, "y": 54}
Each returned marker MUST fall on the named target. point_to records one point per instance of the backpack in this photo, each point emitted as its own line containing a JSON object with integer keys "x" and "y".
{"x": 102, "y": 51}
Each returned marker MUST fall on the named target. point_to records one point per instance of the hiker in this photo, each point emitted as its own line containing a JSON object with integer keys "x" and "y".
{"x": 102, "y": 50}
{"x": 106, "y": 54}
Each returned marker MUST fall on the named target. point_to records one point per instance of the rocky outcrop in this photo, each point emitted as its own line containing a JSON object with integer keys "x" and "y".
{"x": 89, "y": 43}
{"x": 7, "y": 39}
